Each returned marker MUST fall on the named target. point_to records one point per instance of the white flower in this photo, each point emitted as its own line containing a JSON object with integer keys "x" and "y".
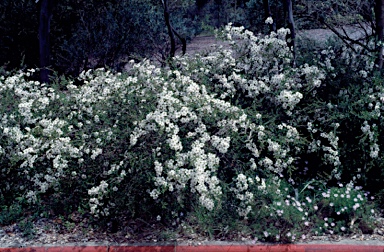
{"x": 262, "y": 186}
{"x": 206, "y": 202}
{"x": 269, "y": 20}
{"x": 174, "y": 143}
{"x": 96, "y": 152}
{"x": 158, "y": 168}
{"x": 154, "y": 194}
{"x": 221, "y": 144}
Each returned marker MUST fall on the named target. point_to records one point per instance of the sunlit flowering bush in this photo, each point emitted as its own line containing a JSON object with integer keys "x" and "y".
{"x": 65, "y": 137}
{"x": 241, "y": 132}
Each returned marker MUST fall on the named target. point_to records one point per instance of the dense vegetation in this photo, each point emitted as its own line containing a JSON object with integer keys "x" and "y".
{"x": 245, "y": 139}
{"x": 87, "y": 35}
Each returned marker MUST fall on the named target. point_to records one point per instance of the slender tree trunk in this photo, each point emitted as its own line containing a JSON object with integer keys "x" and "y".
{"x": 172, "y": 33}
{"x": 291, "y": 25}
{"x": 170, "y": 29}
{"x": 183, "y": 42}
{"x": 46, "y": 8}
{"x": 379, "y": 15}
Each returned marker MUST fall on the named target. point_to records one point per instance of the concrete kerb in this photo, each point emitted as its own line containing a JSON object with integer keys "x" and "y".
{"x": 344, "y": 246}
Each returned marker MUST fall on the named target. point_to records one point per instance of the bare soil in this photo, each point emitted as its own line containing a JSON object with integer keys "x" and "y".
{"x": 321, "y": 36}
{"x": 203, "y": 43}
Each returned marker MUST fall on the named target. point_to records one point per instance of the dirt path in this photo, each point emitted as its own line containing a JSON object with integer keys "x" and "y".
{"x": 202, "y": 43}
{"x": 322, "y": 35}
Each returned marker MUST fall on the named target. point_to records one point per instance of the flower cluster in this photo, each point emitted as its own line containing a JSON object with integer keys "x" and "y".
{"x": 184, "y": 108}
{"x": 370, "y": 131}
{"x": 243, "y": 194}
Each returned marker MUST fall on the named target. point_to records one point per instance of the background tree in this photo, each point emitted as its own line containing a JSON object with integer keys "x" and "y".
{"x": 97, "y": 33}
{"x": 107, "y": 33}
{"x": 89, "y": 34}
{"x": 344, "y": 17}
{"x": 288, "y": 16}
{"x": 46, "y": 12}
{"x": 171, "y": 31}
{"x": 18, "y": 34}
{"x": 379, "y": 18}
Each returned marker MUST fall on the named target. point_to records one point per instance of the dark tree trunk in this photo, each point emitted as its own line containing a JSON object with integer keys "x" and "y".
{"x": 46, "y": 9}
{"x": 172, "y": 33}
{"x": 379, "y": 14}
{"x": 288, "y": 12}
{"x": 182, "y": 40}
{"x": 267, "y": 14}
{"x": 170, "y": 29}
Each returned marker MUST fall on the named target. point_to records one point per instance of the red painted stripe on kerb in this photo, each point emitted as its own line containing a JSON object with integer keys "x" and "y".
{"x": 141, "y": 249}
{"x": 206, "y": 248}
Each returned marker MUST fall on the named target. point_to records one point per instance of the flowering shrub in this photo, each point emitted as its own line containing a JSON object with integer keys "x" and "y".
{"x": 335, "y": 210}
{"x": 352, "y": 100}
{"x": 239, "y": 131}
{"x": 342, "y": 201}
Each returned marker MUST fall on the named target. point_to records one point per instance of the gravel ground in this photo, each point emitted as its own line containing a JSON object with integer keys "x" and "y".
{"x": 55, "y": 233}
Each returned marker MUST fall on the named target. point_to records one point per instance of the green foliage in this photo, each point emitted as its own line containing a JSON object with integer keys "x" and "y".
{"x": 89, "y": 35}
{"x": 104, "y": 34}
{"x": 18, "y": 33}
{"x": 352, "y": 98}
{"x": 335, "y": 12}
{"x": 26, "y": 227}
{"x": 11, "y": 214}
